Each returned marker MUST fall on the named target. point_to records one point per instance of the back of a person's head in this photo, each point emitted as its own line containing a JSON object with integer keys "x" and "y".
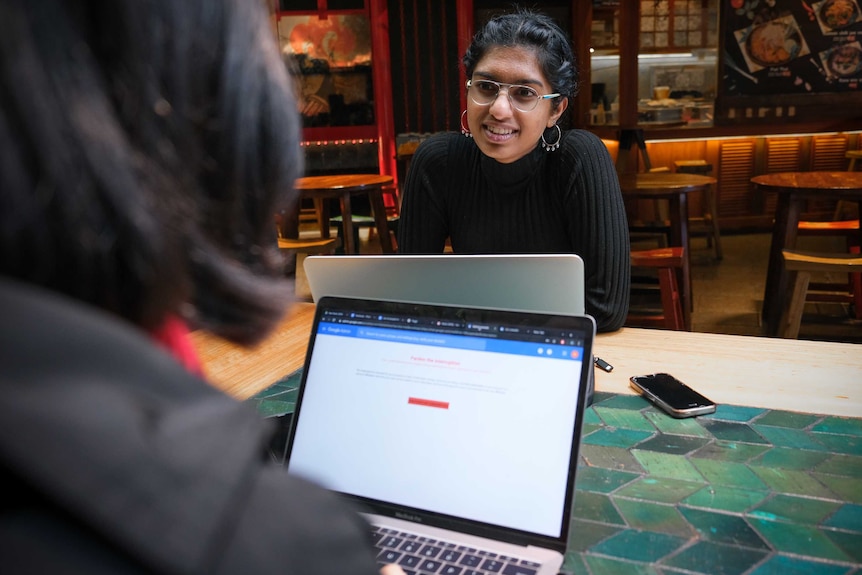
{"x": 532, "y": 30}
{"x": 145, "y": 148}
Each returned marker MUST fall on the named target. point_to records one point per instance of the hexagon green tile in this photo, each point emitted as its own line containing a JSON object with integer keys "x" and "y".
{"x": 622, "y": 438}
{"x": 661, "y": 490}
{"x": 655, "y": 517}
{"x": 726, "y": 498}
{"x": 596, "y": 507}
{"x": 624, "y": 419}
{"x": 285, "y": 385}
{"x": 840, "y": 425}
{"x": 616, "y": 458}
{"x": 643, "y": 546}
{"x": 731, "y": 451}
{"x": 591, "y": 417}
{"x": 801, "y": 510}
{"x": 786, "y": 565}
{"x": 279, "y": 398}
{"x": 848, "y": 517}
{"x": 585, "y": 534}
{"x": 574, "y": 564}
{"x": 728, "y": 473}
{"x": 791, "y": 458}
{"x": 676, "y": 444}
{"x": 602, "y": 396}
{"x": 849, "y": 543}
{"x": 274, "y": 407}
{"x": 783, "y": 437}
{"x": 735, "y": 413}
{"x": 659, "y": 464}
{"x": 689, "y": 426}
{"x": 731, "y": 431}
{"x": 848, "y": 465}
{"x": 602, "y": 480}
{"x": 715, "y": 559}
{"x": 799, "y": 539}
{"x": 793, "y": 482}
{"x": 846, "y": 444}
{"x": 607, "y": 566}
{"x": 723, "y": 528}
{"x": 789, "y": 419}
{"x": 847, "y": 488}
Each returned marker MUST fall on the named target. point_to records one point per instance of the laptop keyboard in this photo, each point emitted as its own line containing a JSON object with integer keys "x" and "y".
{"x": 418, "y": 555}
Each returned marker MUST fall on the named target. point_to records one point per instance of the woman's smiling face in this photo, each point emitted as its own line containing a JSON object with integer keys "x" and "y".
{"x": 500, "y": 130}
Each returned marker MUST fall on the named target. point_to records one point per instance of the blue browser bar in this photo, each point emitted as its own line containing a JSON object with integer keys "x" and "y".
{"x": 551, "y": 351}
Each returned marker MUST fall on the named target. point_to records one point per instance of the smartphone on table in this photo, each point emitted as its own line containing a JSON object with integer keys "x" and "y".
{"x": 671, "y": 395}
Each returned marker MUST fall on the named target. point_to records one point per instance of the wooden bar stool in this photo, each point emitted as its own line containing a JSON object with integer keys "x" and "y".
{"x": 801, "y": 265}
{"x": 844, "y": 223}
{"x": 667, "y": 262}
{"x": 392, "y": 200}
{"x": 309, "y": 246}
{"x": 707, "y": 223}
{"x": 292, "y": 246}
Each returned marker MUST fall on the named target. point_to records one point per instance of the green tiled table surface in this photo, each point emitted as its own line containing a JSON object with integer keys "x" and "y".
{"x": 742, "y": 491}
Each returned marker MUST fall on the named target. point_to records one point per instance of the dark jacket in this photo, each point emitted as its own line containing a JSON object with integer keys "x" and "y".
{"x": 117, "y": 460}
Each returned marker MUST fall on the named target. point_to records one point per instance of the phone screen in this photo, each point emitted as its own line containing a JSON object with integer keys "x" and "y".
{"x": 672, "y": 395}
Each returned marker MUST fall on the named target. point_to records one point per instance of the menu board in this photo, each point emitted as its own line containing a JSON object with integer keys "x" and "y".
{"x": 791, "y": 47}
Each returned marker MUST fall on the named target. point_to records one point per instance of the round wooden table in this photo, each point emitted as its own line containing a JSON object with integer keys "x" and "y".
{"x": 342, "y": 187}
{"x": 673, "y": 187}
{"x": 793, "y": 189}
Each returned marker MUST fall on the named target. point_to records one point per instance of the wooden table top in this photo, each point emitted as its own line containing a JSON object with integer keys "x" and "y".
{"x": 664, "y": 183}
{"x": 342, "y": 182}
{"x": 850, "y": 182}
{"x": 794, "y": 375}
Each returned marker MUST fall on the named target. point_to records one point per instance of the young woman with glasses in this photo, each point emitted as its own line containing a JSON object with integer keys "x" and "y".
{"x": 513, "y": 181}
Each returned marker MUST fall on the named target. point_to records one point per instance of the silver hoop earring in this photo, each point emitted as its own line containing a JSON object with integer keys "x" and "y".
{"x": 465, "y": 131}
{"x": 551, "y": 147}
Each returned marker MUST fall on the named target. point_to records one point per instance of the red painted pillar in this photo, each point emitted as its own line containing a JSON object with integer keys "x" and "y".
{"x": 383, "y": 93}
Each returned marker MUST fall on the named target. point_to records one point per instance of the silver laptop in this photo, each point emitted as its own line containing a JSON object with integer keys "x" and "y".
{"x": 456, "y": 428}
{"x": 552, "y": 283}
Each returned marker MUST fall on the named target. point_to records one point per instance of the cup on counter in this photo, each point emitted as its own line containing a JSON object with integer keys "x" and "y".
{"x": 661, "y": 92}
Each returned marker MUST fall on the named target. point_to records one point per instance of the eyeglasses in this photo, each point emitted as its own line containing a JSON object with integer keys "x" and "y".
{"x": 523, "y": 98}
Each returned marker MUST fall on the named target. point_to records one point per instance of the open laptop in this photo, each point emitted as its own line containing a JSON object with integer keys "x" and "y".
{"x": 551, "y": 283}
{"x": 456, "y": 428}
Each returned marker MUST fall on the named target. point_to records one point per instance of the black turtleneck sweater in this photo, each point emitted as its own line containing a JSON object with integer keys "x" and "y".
{"x": 565, "y": 201}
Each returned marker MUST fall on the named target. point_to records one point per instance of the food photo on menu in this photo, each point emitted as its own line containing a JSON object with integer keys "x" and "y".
{"x": 792, "y": 46}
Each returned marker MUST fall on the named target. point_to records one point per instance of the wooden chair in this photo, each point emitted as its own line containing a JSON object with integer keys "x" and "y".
{"x": 801, "y": 265}
{"x": 666, "y": 261}
{"x": 844, "y": 223}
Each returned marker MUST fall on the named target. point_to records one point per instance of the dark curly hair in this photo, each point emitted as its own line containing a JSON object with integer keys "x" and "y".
{"x": 145, "y": 148}
{"x": 534, "y": 30}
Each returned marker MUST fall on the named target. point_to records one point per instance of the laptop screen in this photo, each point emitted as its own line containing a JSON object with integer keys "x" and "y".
{"x": 466, "y": 413}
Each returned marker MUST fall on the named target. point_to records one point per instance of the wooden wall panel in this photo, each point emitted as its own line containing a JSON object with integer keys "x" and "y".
{"x": 783, "y": 154}
{"x": 735, "y": 170}
{"x": 827, "y": 152}
{"x": 426, "y": 68}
